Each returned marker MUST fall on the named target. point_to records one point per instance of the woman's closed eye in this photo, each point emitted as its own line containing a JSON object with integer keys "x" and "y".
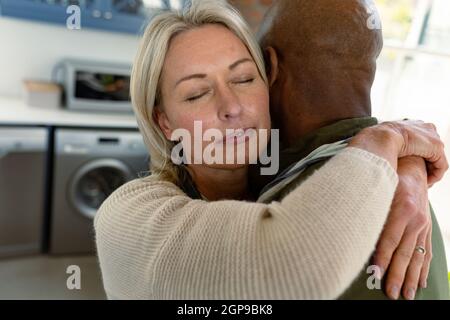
{"x": 246, "y": 81}
{"x": 242, "y": 81}
{"x": 196, "y": 97}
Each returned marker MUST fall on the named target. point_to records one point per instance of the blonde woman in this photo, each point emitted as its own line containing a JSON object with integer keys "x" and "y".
{"x": 156, "y": 242}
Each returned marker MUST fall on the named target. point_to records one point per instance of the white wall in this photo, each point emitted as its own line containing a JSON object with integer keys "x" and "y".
{"x": 29, "y": 50}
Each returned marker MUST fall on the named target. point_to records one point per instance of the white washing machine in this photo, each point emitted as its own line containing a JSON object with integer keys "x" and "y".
{"x": 88, "y": 166}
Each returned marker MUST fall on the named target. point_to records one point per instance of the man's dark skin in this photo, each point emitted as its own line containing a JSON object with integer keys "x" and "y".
{"x": 321, "y": 60}
{"x": 320, "y": 68}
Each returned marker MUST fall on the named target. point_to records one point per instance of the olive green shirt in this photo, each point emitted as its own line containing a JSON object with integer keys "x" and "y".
{"x": 438, "y": 286}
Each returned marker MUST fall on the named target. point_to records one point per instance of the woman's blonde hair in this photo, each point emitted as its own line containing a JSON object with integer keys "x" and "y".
{"x": 148, "y": 65}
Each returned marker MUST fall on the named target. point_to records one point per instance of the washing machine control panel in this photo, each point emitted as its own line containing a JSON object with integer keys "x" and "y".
{"x": 73, "y": 141}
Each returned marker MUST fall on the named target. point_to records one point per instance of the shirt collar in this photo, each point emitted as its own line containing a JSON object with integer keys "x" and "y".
{"x": 337, "y": 131}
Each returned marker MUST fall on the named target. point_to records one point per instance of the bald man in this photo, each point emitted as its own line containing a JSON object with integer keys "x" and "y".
{"x": 321, "y": 60}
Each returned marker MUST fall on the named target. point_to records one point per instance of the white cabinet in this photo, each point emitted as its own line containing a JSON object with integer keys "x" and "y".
{"x": 23, "y": 161}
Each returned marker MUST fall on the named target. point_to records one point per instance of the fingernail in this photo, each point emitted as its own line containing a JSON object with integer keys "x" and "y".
{"x": 424, "y": 284}
{"x": 381, "y": 273}
{"x": 378, "y": 273}
{"x": 394, "y": 292}
{"x": 411, "y": 294}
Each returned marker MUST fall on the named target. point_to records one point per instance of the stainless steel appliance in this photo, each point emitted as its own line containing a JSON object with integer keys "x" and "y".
{"x": 23, "y": 158}
{"x": 88, "y": 166}
{"x": 96, "y": 86}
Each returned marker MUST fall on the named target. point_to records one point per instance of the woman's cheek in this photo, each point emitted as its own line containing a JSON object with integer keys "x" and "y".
{"x": 260, "y": 97}
{"x": 261, "y": 104}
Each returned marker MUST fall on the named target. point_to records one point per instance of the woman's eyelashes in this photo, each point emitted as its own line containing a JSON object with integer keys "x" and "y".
{"x": 250, "y": 80}
{"x": 195, "y": 97}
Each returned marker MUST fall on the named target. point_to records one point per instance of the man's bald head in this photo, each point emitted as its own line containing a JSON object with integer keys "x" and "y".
{"x": 326, "y": 54}
{"x": 306, "y": 28}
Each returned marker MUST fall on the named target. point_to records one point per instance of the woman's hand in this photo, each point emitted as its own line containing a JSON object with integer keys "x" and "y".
{"x": 408, "y": 226}
{"x": 393, "y": 140}
{"x": 422, "y": 140}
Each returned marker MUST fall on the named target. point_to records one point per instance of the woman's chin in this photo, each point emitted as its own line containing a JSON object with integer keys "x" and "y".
{"x": 231, "y": 167}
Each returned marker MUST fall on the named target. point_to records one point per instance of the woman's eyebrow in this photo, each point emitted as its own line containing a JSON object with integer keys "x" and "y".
{"x": 192, "y": 76}
{"x": 234, "y": 65}
{"x": 202, "y": 75}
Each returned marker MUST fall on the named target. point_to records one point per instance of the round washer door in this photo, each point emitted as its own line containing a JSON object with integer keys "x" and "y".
{"x": 94, "y": 182}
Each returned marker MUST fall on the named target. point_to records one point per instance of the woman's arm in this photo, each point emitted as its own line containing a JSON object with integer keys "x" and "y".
{"x": 156, "y": 243}
{"x": 409, "y": 225}
{"x": 393, "y": 140}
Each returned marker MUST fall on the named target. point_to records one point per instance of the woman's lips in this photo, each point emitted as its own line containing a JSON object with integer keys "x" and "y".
{"x": 239, "y": 135}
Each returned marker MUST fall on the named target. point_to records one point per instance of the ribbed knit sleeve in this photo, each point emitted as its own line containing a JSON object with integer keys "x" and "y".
{"x": 154, "y": 242}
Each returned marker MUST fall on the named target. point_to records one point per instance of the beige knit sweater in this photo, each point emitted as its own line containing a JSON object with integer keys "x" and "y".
{"x": 154, "y": 242}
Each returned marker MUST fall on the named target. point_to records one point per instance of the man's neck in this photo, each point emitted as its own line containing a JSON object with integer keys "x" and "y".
{"x": 297, "y": 126}
{"x": 336, "y": 100}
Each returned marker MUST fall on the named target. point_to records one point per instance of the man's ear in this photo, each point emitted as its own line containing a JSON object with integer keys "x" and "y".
{"x": 163, "y": 122}
{"x": 271, "y": 58}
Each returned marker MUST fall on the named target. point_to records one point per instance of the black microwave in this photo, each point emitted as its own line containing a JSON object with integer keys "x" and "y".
{"x": 96, "y": 86}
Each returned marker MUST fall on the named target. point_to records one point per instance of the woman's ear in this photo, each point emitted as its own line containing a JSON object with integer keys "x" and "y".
{"x": 163, "y": 122}
{"x": 271, "y": 58}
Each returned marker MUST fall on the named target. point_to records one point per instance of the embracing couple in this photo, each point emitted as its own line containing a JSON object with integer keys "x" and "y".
{"x": 347, "y": 214}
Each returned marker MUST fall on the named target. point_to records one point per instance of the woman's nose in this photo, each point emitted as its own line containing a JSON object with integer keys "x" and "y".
{"x": 229, "y": 105}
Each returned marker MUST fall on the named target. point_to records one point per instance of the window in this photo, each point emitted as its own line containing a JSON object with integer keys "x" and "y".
{"x": 413, "y": 78}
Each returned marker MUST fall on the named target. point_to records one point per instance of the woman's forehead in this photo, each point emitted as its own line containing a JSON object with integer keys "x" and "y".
{"x": 203, "y": 47}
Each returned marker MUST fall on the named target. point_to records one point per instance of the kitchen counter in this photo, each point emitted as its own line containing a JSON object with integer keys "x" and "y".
{"x": 14, "y": 111}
